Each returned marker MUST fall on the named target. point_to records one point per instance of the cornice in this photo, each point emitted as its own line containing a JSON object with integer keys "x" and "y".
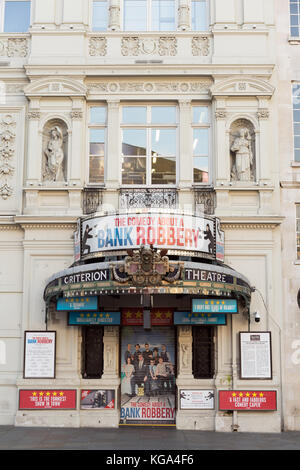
{"x": 251, "y": 222}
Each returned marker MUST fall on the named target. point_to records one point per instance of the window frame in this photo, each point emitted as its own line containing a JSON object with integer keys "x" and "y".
{"x": 208, "y": 126}
{"x": 148, "y": 19}
{"x": 93, "y": 125}
{"x": 2, "y": 16}
{"x": 296, "y": 2}
{"x": 297, "y": 208}
{"x": 295, "y": 122}
{"x": 92, "y": 16}
{"x": 207, "y": 17}
{"x": 149, "y": 126}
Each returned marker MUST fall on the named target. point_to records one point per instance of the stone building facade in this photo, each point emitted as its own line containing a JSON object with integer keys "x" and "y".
{"x": 131, "y": 106}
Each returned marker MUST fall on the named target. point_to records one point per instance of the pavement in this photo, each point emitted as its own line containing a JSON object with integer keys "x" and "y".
{"x": 140, "y": 439}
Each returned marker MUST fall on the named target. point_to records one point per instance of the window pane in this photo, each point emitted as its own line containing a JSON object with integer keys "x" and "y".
{"x": 201, "y": 170}
{"x": 163, "y": 114}
{"x": 134, "y": 115}
{"x": 96, "y": 170}
{"x": 134, "y": 142}
{"x": 297, "y": 129}
{"x": 98, "y": 115}
{"x": 294, "y": 20}
{"x": 294, "y": 8}
{"x": 200, "y": 114}
{"x": 163, "y": 170}
{"x": 163, "y": 15}
{"x": 100, "y": 15}
{"x": 294, "y": 32}
{"x": 199, "y": 22}
{"x": 134, "y": 170}
{"x": 135, "y": 15}
{"x": 163, "y": 142}
{"x": 297, "y": 115}
{"x": 200, "y": 142}
{"x": 17, "y": 17}
{"x": 298, "y": 212}
{"x": 297, "y": 155}
{"x": 297, "y": 142}
{"x": 97, "y": 139}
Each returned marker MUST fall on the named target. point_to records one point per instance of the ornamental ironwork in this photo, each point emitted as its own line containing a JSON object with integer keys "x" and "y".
{"x": 160, "y": 198}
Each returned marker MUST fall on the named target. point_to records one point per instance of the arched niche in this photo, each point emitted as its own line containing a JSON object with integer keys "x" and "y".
{"x": 55, "y": 151}
{"x": 242, "y": 151}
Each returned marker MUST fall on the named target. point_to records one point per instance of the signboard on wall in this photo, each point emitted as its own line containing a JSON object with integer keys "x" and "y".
{"x": 159, "y": 316}
{"x": 77, "y": 303}
{"x": 94, "y": 318}
{"x": 197, "y": 399}
{"x": 48, "y": 399}
{"x": 189, "y": 318}
{"x": 248, "y": 400}
{"x": 39, "y": 354}
{"x": 172, "y": 231}
{"x": 97, "y": 399}
{"x": 214, "y": 305}
{"x": 255, "y": 354}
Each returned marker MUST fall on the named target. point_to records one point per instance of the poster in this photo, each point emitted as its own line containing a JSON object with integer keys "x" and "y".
{"x": 39, "y": 355}
{"x": 255, "y": 353}
{"x": 48, "y": 399}
{"x": 248, "y": 400}
{"x": 133, "y": 230}
{"x": 99, "y": 399}
{"x": 148, "y": 375}
{"x": 197, "y": 399}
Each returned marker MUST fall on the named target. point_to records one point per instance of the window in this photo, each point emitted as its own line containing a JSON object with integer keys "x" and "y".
{"x": 149, "y": 15}
{"x": 199, "y": 15}
{"x": 296, "y": 116}
{"x": 201, "y": 128}
{"x": 100, "y": 15}
{"x": 92, "y": 352}
{"x": 295, "y": 18}
{"x": 16, "y": 17}
{"x": 149, "y": 144}
{"x": 203, "y": 352}
{"x": 298, "y": 229}
{"x": 97, "y": 146}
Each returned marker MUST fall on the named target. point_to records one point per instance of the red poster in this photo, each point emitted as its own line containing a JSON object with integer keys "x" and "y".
{"x": 47, "y": 399}
{"x": 159, "y": 317}
{"x": 247, "y": 400}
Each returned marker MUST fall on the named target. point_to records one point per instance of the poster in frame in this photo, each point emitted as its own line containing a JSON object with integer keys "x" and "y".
{"x": 255, "y": 355}
{"x": 39, "y": 354}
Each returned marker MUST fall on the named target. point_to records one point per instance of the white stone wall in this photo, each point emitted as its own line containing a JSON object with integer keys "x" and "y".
{"x": 58, "y": 69}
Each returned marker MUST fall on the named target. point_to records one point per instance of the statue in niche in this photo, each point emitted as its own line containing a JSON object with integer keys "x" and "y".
{"x": 242, "y": 151}
{"x": 54, "y": 152}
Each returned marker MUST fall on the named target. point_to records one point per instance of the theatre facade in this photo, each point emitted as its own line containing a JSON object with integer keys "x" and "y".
{"x": 140, "y": 216}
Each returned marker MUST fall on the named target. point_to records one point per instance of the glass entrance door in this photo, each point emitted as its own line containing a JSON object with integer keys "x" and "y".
{"x": 147, "y": 375}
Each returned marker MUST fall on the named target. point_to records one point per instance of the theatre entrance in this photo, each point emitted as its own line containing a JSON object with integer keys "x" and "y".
{"x": 148, "y": 375}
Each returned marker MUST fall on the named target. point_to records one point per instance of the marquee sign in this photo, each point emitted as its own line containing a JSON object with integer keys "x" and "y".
{"x": 173, "y": 231}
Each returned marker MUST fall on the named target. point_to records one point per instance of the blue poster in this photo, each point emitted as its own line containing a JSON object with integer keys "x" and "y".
{"x": 94, "y": 318}
{"x": 214, "y": 306}
{"x": 77, "y": 303}
{"x": 189, "y": 318}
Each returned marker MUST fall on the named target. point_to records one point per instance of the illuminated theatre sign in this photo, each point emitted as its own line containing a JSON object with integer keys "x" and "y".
{"x": 174, "y": 232}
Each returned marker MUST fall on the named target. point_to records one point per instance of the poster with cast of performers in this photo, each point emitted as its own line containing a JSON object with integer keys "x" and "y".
{"x": 147, "y": 375}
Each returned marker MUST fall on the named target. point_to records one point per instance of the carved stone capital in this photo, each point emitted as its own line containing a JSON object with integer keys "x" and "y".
{"x": 263, "y": 113}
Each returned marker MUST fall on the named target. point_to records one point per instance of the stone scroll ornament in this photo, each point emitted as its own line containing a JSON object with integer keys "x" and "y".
{"x": 146, "y": 266}
{"x": 7, "y": 153}
{"x": 54, "y": 153}
{"x": 244, "y": 160}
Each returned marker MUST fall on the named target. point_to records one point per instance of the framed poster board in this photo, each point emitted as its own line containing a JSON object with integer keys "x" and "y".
{"x": 197, "y": 399}
{"x": 255, "y": 355}
{"x": 49, "y": 399}
{"x": 39, "y": 354}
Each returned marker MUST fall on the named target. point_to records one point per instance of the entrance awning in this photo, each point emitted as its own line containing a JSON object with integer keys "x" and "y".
{"x": 191, "y": 278}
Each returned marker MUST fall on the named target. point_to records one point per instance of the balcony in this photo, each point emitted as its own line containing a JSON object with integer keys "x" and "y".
{"x": 157, "y": 198}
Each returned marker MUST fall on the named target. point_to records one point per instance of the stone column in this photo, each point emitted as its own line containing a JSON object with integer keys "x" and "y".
{"x": 111, "y": 354}
{"x": 34, "y": 146}
{"x": 184, "y": 16}
{"x": 263, "y": 150}
{"x": 185, "y": 353}
{"x": 114, "y": 20}
{"x": 76, "y": 140}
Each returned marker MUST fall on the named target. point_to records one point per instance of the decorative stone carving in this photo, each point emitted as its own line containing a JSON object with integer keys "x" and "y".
{"x": 76, "y": 114}
{"x": 263, "y": 114}
{"x": 174, "y": 87}
{"x": 14, "y": 47}
{"x": 200, "y": 46}
{"x": 135, "y": 45}
{"x": 221, "y": 114}
{"x": 146, "y": 267}
{"x": 54, "y": 152}
{"x": 242, "y": 147}
{"x": 98, "y": 46}
{"x": 33, "y": 115}
{"x": 7, "y": 152}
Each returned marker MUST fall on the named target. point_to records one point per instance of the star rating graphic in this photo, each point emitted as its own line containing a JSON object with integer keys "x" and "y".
{"x": 247, "y": 394}
{"x": 47, "y": 393}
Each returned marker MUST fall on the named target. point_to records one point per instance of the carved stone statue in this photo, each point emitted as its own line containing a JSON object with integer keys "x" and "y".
{"x": 54, "y": 165}
{"x": 242, "y": 147}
